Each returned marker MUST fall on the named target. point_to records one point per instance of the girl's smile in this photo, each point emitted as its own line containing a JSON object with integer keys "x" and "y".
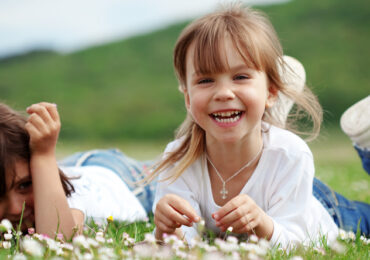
{"x": 227, "y": 118}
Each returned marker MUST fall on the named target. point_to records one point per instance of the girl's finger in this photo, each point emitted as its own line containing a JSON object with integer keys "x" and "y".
{"x": 244, "y": 224}
{"x": 164, "y": 228}
{"x": 37, "y": 122}
{"x": 41, "y": 111}
{"x": 53, "y": 110}
{"x": 165, "y": 219}
{"x": 32, "y": 130}
{"x": 233, "y": 216}
{"x": 250, "y": 228}
{"x": 224, "y": 211}
{"x": 184, "y": 208}
{"x": 230, "y": 206}
{"x": 174, "y": 215}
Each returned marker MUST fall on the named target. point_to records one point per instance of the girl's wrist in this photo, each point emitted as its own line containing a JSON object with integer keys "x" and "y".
{"x": 36, "y": 153}
{"x": 266, "y": 228}
{"x": 43, "y": 160}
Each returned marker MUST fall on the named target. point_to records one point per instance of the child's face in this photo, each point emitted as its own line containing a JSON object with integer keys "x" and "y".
{"x": 228, "y": 105}
{"x": 18, "y": 192}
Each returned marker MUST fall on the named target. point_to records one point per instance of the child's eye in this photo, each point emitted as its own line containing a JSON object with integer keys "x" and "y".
{"x": 241, "y": 77}
{"x": 204, "y": 81}
{"x": 25, "y": 185}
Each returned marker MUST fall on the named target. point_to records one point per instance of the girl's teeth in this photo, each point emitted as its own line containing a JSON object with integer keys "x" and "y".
{"x": 227, "y": 120}
{"x": 226, "y": 114}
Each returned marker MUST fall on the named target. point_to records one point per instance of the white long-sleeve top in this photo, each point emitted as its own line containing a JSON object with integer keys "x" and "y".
{"x": 281, "y": 185}
{"x": 100, "y": 193}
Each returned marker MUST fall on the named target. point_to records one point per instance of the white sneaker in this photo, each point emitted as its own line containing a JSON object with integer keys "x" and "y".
{"x": 355, "y": 122}
{"x": 294, "y": 76}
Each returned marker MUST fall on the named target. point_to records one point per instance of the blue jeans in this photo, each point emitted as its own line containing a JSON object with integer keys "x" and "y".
{"x": 128, "y": 169}
{"x": 347, "y": 214}
{"x": 365, "y": 158}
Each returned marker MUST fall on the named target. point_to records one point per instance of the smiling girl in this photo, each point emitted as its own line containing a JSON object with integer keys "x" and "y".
{"x": 234, "y": 162}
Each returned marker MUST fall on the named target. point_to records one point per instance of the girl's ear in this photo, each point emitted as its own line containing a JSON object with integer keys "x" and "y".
{"x": 272, "y": 96}
{"x": 187, "y": 98}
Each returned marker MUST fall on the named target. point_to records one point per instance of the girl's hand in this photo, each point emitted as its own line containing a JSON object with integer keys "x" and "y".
{"x": 171, "y": 213}
{"x": 43, "y": 126}
{"x": 244, "y": 216}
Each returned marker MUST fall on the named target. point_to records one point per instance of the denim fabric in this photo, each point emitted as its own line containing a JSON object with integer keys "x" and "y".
{"x": 128, "y": 169}
{"x": 365, "y": 158}
{"x": 347, "y": 214}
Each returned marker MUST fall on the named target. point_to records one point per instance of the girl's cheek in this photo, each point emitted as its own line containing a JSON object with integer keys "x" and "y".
{"x": 30, "y": 200}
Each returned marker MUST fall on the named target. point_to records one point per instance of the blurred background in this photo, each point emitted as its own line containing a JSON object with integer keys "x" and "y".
{"x": 108, "y": 66}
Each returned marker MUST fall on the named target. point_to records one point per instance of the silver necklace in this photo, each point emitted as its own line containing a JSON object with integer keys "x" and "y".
{"x": 224, "y": 191}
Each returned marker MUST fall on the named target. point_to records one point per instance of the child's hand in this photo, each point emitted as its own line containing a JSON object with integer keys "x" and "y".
{"x": 43, "y": 126}
{"x": 244, "y": 216}
{"x": 171, "y": 213}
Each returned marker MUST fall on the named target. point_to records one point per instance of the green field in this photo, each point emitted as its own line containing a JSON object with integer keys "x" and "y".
{"x": 127, "y": 89}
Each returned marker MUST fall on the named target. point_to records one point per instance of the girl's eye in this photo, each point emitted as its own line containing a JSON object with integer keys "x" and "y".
{"x": 241, "y": 77}
{"x": 204, "y": 81}
{"x": 25, "y": 185}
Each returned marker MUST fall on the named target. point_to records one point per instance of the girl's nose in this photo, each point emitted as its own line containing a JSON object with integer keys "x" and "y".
{"x": 224, "y": 92}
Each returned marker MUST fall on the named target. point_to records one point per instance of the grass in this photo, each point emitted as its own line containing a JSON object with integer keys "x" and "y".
{"x": 117, "y": 240}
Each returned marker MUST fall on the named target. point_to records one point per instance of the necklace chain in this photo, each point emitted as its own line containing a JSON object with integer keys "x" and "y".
{"x": 224, "y": 191}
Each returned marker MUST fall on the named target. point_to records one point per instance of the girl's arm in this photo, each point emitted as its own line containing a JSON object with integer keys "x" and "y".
{"x": 52, "y": 213}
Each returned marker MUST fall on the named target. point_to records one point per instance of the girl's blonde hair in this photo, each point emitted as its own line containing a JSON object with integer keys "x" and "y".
{"x": 255, "y": 39}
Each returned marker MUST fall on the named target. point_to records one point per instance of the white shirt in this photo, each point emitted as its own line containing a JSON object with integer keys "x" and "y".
{"x": 100, "y": 193}
{"x": 281, "y": 185}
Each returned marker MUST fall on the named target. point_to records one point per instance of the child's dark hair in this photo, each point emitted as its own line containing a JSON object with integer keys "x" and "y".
{"x": 14, "y": 147}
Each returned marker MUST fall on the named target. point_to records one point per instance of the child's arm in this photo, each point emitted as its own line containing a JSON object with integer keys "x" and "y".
{"x": 171, "y": 213}
{"x": 52, "y": 213}
{"x": 244, "y": 216}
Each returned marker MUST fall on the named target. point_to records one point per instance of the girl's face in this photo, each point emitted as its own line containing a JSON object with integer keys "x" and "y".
{"x": 228, "y": 105}
{"x": 19, "y": 191}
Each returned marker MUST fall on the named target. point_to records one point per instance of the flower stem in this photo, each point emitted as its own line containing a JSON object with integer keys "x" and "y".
{"x": 19, "y": 228}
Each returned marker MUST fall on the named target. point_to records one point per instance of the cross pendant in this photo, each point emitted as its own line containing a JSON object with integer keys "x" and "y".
{"x": 224, "y": 191}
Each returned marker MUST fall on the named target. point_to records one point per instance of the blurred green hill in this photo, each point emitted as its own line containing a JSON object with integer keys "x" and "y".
{"x": 127, "y": 89}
